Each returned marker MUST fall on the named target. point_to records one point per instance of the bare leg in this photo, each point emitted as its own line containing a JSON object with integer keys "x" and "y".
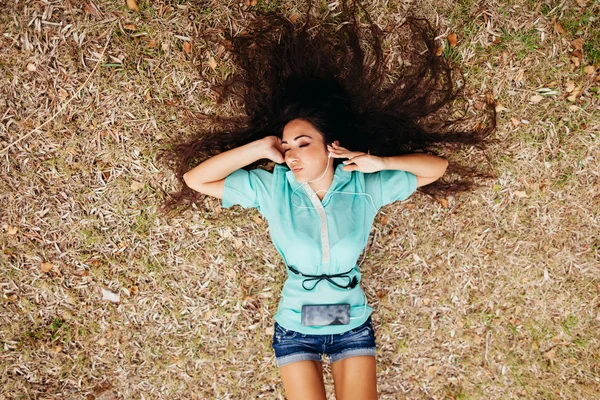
{"x": 303, "y": 380}
{"x": 355, "y": 378}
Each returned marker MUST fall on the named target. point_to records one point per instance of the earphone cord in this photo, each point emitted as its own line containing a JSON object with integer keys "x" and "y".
{"x": 364, "y": 194}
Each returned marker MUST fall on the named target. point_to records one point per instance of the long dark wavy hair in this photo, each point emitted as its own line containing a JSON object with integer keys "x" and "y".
{"x": 332, "y": 72}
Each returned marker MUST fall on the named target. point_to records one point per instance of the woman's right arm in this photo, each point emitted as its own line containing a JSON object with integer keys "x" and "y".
{"x": 209, "y": 176}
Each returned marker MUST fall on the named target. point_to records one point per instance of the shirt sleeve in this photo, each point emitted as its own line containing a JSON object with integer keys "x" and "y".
{"x": 387, "y": 186}
{"x": 247, "y": 188}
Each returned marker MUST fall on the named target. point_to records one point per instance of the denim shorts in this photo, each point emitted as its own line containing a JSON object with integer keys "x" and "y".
{"x": 291, "y": 346}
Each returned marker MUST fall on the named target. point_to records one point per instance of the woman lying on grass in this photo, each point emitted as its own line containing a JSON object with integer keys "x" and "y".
{"x": 347, "y": 138}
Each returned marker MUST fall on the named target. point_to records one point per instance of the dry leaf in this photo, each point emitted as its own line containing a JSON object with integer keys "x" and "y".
{"x": 589, "y": 69}
{"x": 582, "y": 3}
{"x": 91, "y": 8}
{"x": 515, "y": 122}
{"x": 536, "y": 98}
{"x": 551, "y": 354}
{"x": 12, "y": 298}
{"x": 500, "y": 107}
{"x": 253, "y": 2}
{"x": 134, "y": 289}
{"x": 148, "y": 97}
{"x": 257, "y": 220}
{"x": 152, "y": 43}
{"x": 130, "y": 27}
{"x": 101, "y": 342}
{"x": 431, "y": 371}
{"x": 573, "y": 108}
{"x": 294, "y": 18}
{"x": 520, "y": 75}
{"x": 212, "y": 63}
{"x": 46, "y": 267}
{"x": 577, "y": 44}
{"x": 570, "y": 86}
{"x": 31, "y": 67}
{"x": 384, "y": 219}
{"x": 439, "y": 51}
{"x": 133, "y": 5}
{"x": 57, "y": 349}
{"x": 576, "y": 57}
{"x": 135, "y": 186}
{"x": 452, "y": 39}
{"x": 107, "y": 295}
{"x": 444, "y": 203}
{"x": 559, "y": 29}
{"x": 187, "y": 47}
{"x": 12, "y": 230}
{"x": 520, "y": 194}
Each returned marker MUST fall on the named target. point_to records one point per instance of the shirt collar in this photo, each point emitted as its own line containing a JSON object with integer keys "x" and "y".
{"x": 340, "y": 177}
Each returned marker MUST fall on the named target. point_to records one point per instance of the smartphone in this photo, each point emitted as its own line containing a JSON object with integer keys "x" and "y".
{"x": 325, "y": 314}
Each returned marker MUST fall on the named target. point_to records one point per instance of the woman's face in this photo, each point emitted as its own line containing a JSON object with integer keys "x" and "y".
{"x": 304, "y": 150}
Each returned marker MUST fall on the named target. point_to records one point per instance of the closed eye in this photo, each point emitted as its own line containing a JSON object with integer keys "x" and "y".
{"x": 302, "y": 145}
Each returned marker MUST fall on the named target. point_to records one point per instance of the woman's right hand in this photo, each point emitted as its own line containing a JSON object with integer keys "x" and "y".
{"x": 273, "y": 149}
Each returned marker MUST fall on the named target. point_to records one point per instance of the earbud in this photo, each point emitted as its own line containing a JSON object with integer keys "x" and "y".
{"x": 329, "y": 156}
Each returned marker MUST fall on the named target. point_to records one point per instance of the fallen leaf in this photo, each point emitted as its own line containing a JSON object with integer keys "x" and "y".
{"x": 91, "y": 8}
{"x": 500, "y": 107}
{"x": 520, "y": 194}
{"x": 380, "y": 294}
{"x": 520, "y": 75}
{"x": 31, "y": 67}
{"x": 12, "y": 298}
{"x": 135, "y": 186}
{"x": 134, "y": 289}
{"x": 46, "y": 267}
{"x": 130, "y": 27}
{"x": 294, "y": 18}
{"x": 253, "y": 2}
{"x": 101, "y": 342}
{"x": 152, "y": 43}
{"x": 573, "y": 108}
{"x": 582, "y": 3}
{"x": 452, "y": 39}
{"x": 62, "y": 94}
{"x": 384, "y": 220}
{"x": 559, "y": 29}
{"x": 212, "y": 63}
{"x": 536, "y": 98}
{"x": 431, "y": 371}
{"x": 57, "y": 349}
{"x": 551, "y": 354}
{"x": 187, "y": 47}
{"x": 107, "y": 295}
{"x": 444, "y": 203}
{"x": 12, "y": 230}
{"x": 257, "y": 220}
{"x": 577, "y": 44}
{"x": 515, "y": 122}
{"x": 133, "y": 5}
{"x": 439, "y": 51}
{"x": 572, "y": 98}
{"x": 576, "y": 57}
{"x": 589, "y": 69}
{"x": 148, "y": 97}
{"x": 570, "y": 86}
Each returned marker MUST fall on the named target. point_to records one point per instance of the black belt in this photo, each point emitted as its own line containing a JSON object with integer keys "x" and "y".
{"x": 352, "y": 282}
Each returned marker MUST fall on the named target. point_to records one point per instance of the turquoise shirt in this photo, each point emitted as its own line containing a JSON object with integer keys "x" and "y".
{"x": 318, "y": 237}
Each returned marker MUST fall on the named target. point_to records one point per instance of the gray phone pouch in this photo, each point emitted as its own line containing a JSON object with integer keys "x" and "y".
{"x": 325, "y": 314}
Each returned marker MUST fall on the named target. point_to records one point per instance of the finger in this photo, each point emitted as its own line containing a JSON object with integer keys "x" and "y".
{"x": 352, "y": 167}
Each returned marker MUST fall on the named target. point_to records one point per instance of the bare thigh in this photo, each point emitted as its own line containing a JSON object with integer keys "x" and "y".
{"x": 303, "y": 380}
{"x": 355, "y": 378}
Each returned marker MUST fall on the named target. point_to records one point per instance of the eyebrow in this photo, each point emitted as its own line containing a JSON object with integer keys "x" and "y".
{"x": 296, "y": 138}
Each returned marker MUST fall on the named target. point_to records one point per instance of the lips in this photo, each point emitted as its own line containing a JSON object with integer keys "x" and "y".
{"x": 296, "y": 169}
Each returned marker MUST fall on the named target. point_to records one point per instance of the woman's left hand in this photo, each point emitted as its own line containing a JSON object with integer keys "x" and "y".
{"x": 357, "y": 161}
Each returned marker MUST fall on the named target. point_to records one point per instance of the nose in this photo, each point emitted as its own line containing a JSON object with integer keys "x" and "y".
{"x": 290, "y": 156}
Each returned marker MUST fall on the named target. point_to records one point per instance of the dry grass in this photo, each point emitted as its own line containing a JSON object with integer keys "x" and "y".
{"x": 495, "y": 296}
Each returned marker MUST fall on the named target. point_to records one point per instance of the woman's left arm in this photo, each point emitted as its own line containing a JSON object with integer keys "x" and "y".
{"x": 428, "y": 168}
